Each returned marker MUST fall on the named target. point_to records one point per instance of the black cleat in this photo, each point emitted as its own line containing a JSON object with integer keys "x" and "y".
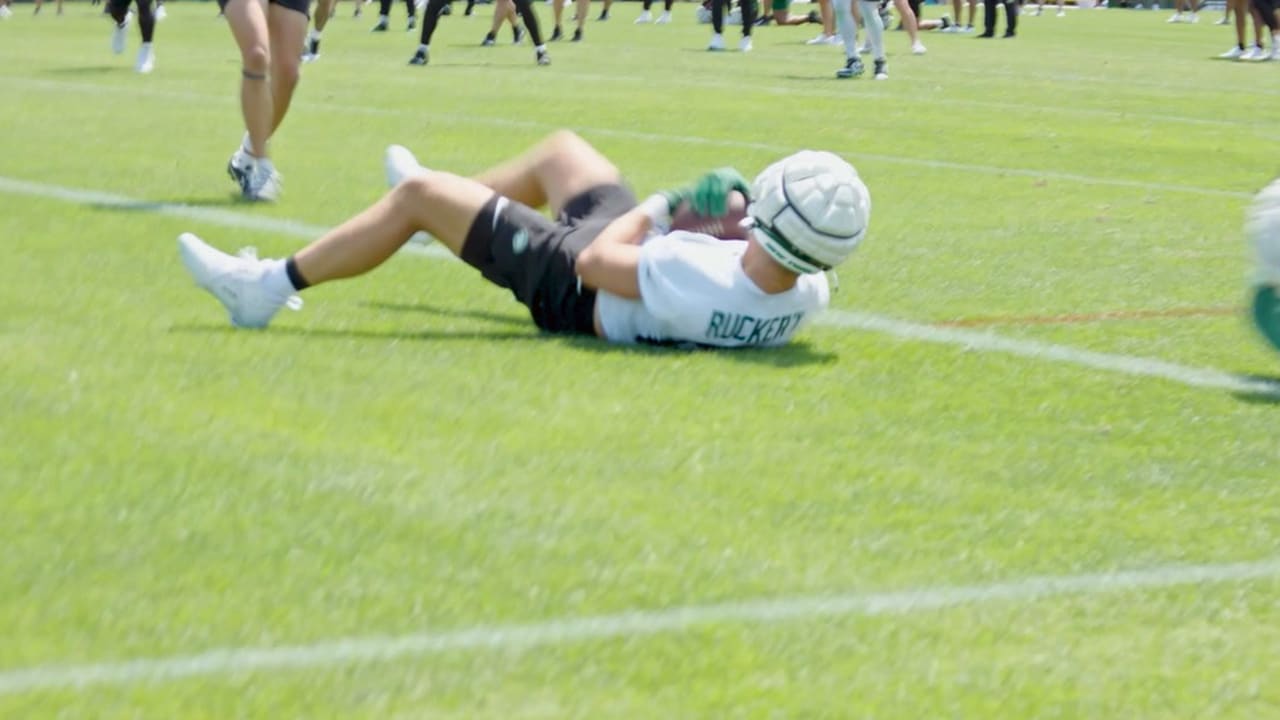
{"x": 577, "y": 35}
{"x": 419, "y": 58}
{"x": 604, "y": 15}
{"x": 488, "y": 40}
{"x": 1009, "y": 34}
{"x": 380, "y": 27}
{"x": 543, "y": 58}
{"x": 517, "y": 35}
{"x": 881, "y": 72}
{"x": 447, "y": 9}
{"x": 852, "y": 68}
{"x": 557, "y": 34}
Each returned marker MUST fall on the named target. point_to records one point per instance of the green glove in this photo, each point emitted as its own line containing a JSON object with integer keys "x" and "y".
{"x": 709, "y": 196}
{"x": 711, "y": 192}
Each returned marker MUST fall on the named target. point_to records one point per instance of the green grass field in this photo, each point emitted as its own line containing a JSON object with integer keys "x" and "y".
{"x": 1025, "y": 467}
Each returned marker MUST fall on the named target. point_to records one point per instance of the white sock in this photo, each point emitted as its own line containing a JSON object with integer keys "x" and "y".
{"x": 422, "y": 48}
{"x": 847, "y": 28}
{"x": 541, "y": 48}
{"x": 315, "y": 34}
{"x": 875, "y": 27}
{"x": 276, "y": 278}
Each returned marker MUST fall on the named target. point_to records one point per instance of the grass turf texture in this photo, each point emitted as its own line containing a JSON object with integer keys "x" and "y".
{"x": 409, "y": 455}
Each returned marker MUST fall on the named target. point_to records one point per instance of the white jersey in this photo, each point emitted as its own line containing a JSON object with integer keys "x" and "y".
{"x": 693, "y": 290}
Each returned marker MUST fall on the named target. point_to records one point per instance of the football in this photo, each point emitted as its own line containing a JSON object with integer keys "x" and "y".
{"x": 728, "y": 227}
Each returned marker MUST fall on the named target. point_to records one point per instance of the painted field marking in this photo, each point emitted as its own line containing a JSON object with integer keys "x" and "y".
{"x": 631, "y": 624}
{"x": 989, "y": 342}
{"x": 972, "y": 339}
{"x": 502, "y": 122}
{"x": 1093, "y": 317}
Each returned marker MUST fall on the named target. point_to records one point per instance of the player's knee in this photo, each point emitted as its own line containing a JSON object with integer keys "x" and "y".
{"x": 256, "y": 59}
{"x": 286, "y": 73}
{"x": 417, "y": 190}
{"x": 562, "y": 141}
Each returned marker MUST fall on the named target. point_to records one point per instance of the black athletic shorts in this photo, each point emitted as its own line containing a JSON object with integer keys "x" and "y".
{"x": 519, "y": 248}
{"x": 302, "y": 6}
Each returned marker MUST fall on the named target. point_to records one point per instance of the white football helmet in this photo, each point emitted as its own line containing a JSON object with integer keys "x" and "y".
{"x": 809, "y": 210}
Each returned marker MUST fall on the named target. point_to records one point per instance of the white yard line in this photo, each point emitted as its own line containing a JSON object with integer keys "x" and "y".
{"x": 971, "y": 339}
{"x": 990, "y": 342}
{"x": 211, "y": 216}
{"x": 650, "y": 137}
{"x": 632, "y": 624}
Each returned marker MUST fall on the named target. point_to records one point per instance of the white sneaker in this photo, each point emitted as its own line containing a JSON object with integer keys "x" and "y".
{"x": 1222, "y": 20}
{"x": 236, "y": 280}
{"x": 744, "y": 45}
{"x": 644, "y": 18}
{"x": 663, "y": 19}
{"x": 5, "y": 12}
{"x": 400, "y": 164}
{"x": 1233, "y": 53}
{"x": 146, "y": 59}
{"x": 820, "y": 40}
{"x": 264, "y": 184}
{"x": 1194, "y": 19}
{"x": 161, "y": 13}
{"x": 1253, "y": 53}
{"x": 865, "y": 49}
{"x": 1177, "y": 18}
{"x": 240, "y": 166}
{"x": 1274, "y": 55}
{"x": 118, "y": 37}
{"x": 918, "y": 48}
{"x": 717, "y": 42}
{"x": 1062, "y": 13}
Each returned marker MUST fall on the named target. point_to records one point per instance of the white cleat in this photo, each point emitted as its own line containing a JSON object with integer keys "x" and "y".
{"x": 744, "y": 45}
{"x": 717, "y": 42}
{"x": 264, "y": 184}
{"x": 161, "y": 13}
{"x": 1253, "y": 53}
{"x": 146, "y": 59}
{"x": 663, "y": 19}
{"x": 822, "y": 39}
{"x": 400, "y": 165}
{"x": 918, "y": 48}
{"x": 5, "y": 12}
{"x": 1232, "y": 54}
{"x": 237, "y": 281}
{"x": 645, "y": 17}
{"x": 118, "y": 37}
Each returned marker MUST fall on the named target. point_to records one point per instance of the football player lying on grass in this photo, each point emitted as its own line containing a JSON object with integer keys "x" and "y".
{"x": 606, "y": 266}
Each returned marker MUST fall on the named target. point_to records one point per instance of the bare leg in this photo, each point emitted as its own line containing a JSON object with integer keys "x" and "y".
{"x": 583, "y": 8}
{"x": 446, "y": 205}
{"x": 828, "y": 18}
{"x": 288, "y": 37}
{"x": 248, "y": 22}
{"x": 907, "y": 17}
{"x": 324, "y": 11}
{"x": 557, "y": 11}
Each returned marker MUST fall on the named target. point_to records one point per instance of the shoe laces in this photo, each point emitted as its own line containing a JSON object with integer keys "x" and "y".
{"x": 250, "y": 253}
